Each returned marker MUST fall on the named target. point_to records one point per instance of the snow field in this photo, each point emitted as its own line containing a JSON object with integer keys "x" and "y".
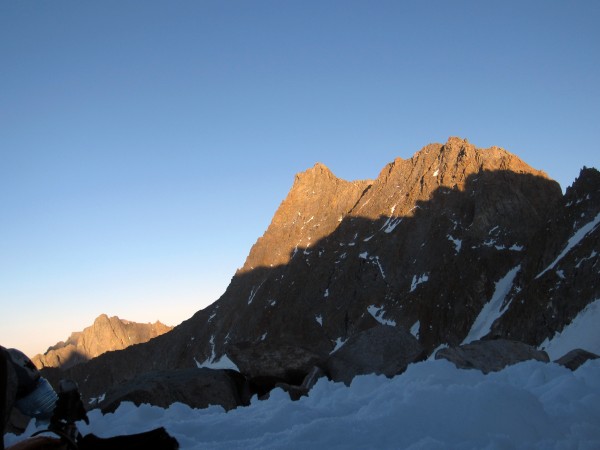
{"x": 433, "y": 405}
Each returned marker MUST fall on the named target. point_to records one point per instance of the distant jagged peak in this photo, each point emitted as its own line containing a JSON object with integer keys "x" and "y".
{"x": 105, "y": 334}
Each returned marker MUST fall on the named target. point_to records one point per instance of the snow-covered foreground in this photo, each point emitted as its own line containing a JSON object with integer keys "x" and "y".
{"x": 432, "y": 405}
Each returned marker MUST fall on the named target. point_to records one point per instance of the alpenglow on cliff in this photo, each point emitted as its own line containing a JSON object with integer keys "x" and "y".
{"x": 452, "y": 245}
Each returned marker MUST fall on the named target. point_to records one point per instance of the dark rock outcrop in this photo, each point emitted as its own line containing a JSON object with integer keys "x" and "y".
{"x": 575, "y": 358}
{"x": 381, "y": 350}
{"x": 287, "y": 362}
{"x": 197, "y": 388}
{"x": 490, "y": 356}
{"x": 303, "y": 389}
{"x": 267, "y": 365}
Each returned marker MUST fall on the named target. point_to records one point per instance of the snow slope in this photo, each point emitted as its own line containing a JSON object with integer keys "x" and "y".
{"x": 432, "y": 405}
{"x": 492, "y": 310}
{"x": 583, "y": 332}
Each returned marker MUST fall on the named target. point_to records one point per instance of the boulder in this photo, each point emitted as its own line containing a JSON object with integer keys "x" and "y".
{"x": 197, "y": 388}
{"x": 382, "y": 349}
{"x": 576, "y": 358}
{"x": 267, "y": 360}
{"x": 491, "y": 355}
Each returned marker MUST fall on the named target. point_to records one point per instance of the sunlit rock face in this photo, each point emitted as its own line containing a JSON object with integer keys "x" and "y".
{"x": 453, "y": 245}
{"x": 424, "y": 244}
{"x": 106, "y": 334}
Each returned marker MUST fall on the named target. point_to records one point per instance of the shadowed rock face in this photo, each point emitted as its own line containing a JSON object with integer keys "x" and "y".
{"x": 421, "y": 247}
{"x": 106, "y": 334}
{"x": 382, "y": 350}
{"x": 559, "y": 277}
{"x": 198, "y": 388}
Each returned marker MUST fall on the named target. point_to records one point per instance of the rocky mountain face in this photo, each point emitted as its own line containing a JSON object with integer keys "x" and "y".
{"x": 423, "y": 249}
{"x": 106, "y": 334}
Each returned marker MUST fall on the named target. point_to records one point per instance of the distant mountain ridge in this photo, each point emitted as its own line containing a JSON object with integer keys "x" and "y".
{"x": 106, "y": 334}
{"x": 453, "y": 244}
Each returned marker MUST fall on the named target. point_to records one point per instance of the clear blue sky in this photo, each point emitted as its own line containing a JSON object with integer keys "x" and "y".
{"x": 145, "y": 145}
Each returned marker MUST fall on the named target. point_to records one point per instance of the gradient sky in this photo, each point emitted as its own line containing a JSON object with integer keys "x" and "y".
{"x": 145, "y": 145}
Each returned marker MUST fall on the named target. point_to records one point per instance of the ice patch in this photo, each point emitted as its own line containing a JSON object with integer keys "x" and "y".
{"x": 222, "y": 363}
{"x": 592, "y": 256}
{"x": 363, "y": 255}
{"x": 492, "y": 310}
{"x": 377, "y": 313}
{"x": 376, "y": 260}
{"x": 326, "y": 294}
{"x": 414, "y": 330}
{"x": 339, "y": 343}
{"x": 95, "y": 400}
{"x": 319, "y": 319}
{"x": 253, "y": 292}
{"x": 417, "y": 281}
{"x": 391, "y": 224}
{"x": 573, "y": 241}
{"x": 457, "y": 243}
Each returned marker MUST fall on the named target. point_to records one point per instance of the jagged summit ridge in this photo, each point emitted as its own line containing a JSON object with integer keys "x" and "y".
{"x": 311, "y": 211}
{"x": 319, "y": 201}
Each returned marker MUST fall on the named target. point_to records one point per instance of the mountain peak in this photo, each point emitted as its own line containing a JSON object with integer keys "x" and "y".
{"x": 447, "y": 244}
{"x": 105, "y": 334}
{"x": 317, "y": 173}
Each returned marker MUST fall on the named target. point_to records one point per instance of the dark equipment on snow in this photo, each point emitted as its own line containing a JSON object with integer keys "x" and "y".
{"x": 69, "y": 409}
{"x": 156, "y": 439}
{"x": 36, "y": 398}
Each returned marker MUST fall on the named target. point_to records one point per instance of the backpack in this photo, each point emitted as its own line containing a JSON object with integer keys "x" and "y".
{"x": 27, "y": 374}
